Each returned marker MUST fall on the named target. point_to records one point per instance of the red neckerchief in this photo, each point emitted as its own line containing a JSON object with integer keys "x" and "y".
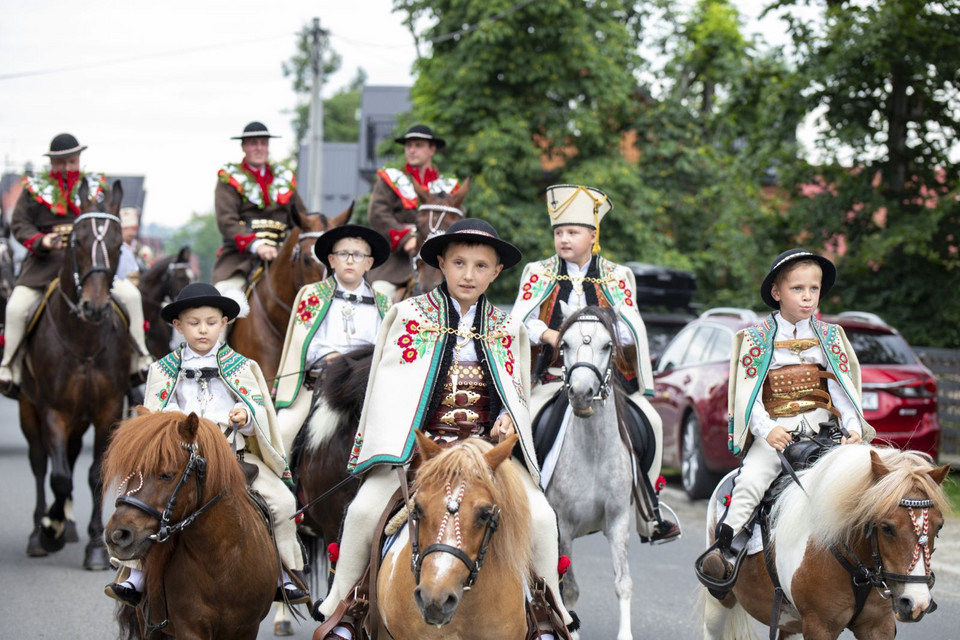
{"x": 264, "y": 180}
{"x": 429, "y": 175}
{"x": 72, "y": 178}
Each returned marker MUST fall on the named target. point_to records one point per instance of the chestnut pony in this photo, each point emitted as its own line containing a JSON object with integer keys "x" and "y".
{"x": 77, "y": 372}
{"x": 159, "y": 285}
{"x": 879, "y": 509}
{"x": 472, "y": 552}
{"x": 259, "y": 336}
{"x": 183, "y": 512}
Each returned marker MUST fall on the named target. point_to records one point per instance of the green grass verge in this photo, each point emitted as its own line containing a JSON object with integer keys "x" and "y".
{"x": 951, "y": 487}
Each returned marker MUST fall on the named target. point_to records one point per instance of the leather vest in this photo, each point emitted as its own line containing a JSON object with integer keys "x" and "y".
{"x": 463, "y": 413}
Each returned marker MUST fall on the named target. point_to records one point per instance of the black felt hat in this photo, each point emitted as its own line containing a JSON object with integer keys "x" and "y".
{"x": 470, "y": 231}
{"x": 379, "y": 247}
{"x": 254, "y": 130}
{"x": 422, "y": 132}
{"x": 200, "y": 294}
{"x": 64, "y": 145}
{"x": 791, "y": 255}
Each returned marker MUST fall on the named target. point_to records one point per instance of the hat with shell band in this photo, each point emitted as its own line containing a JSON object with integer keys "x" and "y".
{"x": 254, "y": 130}
{"x": 63, "y": 146}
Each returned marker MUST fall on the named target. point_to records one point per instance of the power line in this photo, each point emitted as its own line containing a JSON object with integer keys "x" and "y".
{"x": 147, "y": 56}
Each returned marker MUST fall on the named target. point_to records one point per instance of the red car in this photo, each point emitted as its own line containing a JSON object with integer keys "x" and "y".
{"x": 690, "y": 392}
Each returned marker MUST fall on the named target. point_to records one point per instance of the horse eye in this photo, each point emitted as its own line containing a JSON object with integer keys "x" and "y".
{"x": 887, "y": 529}
{"x": 167, "y": 476}
{"x": 484, "y": 514}
{"x": 606, "y": 347}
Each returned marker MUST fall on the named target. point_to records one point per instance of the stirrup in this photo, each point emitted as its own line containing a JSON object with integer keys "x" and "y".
{"x": 333, "y": 621}
{"x": 734, "y": 550}
{"x": 542, "y": 608}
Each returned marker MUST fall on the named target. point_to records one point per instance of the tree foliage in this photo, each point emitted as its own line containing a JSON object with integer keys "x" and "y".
{"x": 203, "y": 237}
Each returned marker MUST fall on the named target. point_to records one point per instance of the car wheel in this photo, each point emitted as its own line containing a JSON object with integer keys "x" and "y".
{"x": 698, "y": 481}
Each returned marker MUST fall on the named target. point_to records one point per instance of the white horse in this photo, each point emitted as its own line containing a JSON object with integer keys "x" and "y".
{"x": 592, "y": 480}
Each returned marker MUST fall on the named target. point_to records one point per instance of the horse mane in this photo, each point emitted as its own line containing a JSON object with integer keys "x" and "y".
{"x": 150, "y": 444}
{"x": 344, "y": 382}
{"x": 843, "y": 497}
{"x": 609, "y": 320}
{"x": 511, "y": 544}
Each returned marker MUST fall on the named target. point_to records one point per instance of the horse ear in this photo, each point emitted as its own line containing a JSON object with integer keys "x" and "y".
{"x": 940, "y": 473}
{"x": 116, "y": 197}
{"x": 184, "y": 255}
{"x": 142, "y": 411}
{"x": 457, "y": 197}
{"x": 188, "y": 428}
{"x": 344, "y": 216}
{"x": 84, "y": 194}
{"x": 877, "y": 468}
{"x": 428, "y": 448}
{"x": 565, "y": 309}
{"x": 501, "y": 452}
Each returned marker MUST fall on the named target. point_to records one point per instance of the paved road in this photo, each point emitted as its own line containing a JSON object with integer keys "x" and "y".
{"x": 54, "y": 597}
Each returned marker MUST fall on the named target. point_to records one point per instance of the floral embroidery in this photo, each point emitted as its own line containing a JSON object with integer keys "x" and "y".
{"x": 413, "y": 343}
{"x": 355, "y": 452}
{"x": 280, "y": 190}
{"x": 751, "y": 372}
{"x": 746, "y": 361}
{"x": 309, "y": 306}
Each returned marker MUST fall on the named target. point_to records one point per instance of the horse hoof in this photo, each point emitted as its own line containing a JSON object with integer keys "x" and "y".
{"x": 34, "y": 548}
{"x": 71, "y": 532}
{"x": 283, "y": 628}
{"x": 50, "y": 541}
{"x": 96, "y": 558}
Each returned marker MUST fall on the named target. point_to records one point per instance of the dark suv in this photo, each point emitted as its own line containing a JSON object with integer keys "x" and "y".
{"x": 690, "y": 392}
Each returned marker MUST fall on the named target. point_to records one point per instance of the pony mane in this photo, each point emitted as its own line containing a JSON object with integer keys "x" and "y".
{"x": 511, "y": 544}
{"x": 150, "y": 444}
{"x": 608, "y": 319}
{"x": 842, "y": 496}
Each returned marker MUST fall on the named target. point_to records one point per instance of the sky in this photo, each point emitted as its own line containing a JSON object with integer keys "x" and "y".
{"x": 158, "y": 89}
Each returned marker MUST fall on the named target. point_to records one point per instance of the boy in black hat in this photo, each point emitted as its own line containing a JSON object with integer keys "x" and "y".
{"x": 329, "y": 317}
{"x": 206, "y": 377}
{"x": 393, "y": 204}
{"x": 255, "y": 202}
{"x": 42, "y": 221}
{"x": 788, "y": 375}
{"x": 452, "y": 365}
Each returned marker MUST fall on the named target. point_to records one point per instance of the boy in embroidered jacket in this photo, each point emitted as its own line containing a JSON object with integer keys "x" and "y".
{"x": 212, "y": 380}
{"x": 788, "y": 374}
{"x": 255, "y": 202}
{"x": 579, "y": 276}
{"x": 42, "y": 222}
{"x": 393, "y": 204}
{"x": 452, "y": 365}
{"x": 329, "y": 317}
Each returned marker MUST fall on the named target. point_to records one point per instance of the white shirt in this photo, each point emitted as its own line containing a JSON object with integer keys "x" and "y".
{"x": 338, "y": 333}
{"x": 760, "y": 421}
{"x": 218, "y": 400}
{"x": 535, "y": 326}
{"x": 128, "y": 261}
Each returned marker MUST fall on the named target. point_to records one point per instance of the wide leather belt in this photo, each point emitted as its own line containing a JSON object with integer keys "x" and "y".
{"x": 270, "y": 231}
{"x": 795, "y": 389}
{"x": 466, "y": 411}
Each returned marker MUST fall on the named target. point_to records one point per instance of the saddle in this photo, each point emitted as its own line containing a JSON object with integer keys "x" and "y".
{"x": 36, "y": 311}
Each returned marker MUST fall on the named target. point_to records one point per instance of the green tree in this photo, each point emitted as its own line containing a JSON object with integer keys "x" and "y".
{"x": 203, "y": 237}
{"x": 885, "y": 78}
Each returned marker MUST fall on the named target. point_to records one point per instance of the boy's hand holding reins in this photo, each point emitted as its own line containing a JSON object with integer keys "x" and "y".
{"x": 851, "y": 438}
{"x": 239, "y": 416}
{"x": 779, "y": 438}
{"x": 503, "y": 428}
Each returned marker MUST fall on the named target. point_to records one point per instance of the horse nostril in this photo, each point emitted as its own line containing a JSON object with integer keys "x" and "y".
{"x": 120, "y": 535}
{"x": 906, "y": 604}
{"x": 418, "y": 598}
{"x": 450, "y": 605}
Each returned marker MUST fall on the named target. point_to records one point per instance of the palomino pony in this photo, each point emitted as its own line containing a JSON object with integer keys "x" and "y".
{"x": 76, "y": 372}
{"x": 861, "y": 515}
{"x": 591, "y": 483}
{"x": 436, "y": 213}
{"x": 463, "y": 576}
{"x": 259, "y": 336}
{"x": 159, "y": 285}
{"x": 184, "y": 514}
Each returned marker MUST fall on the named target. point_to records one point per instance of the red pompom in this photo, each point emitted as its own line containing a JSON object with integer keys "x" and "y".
{"x": 726, "y": 500}
{"x": 3, "y": 340}
{"x": 146, "y": 326}
{"x": 299, "y": 518}
{"x": 333, "y": 551}
{"x": 563, "y": 565}
{"x": 661, "y": 483}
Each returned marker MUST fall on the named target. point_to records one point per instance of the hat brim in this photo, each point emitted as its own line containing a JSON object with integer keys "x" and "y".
{"x": 66, "y": 152}
{"x": 255, "y": 134}
{"x": 826, "y": 283}
{"x": 379, "y": 247}
{"x": 432, "y": 248}
{"x": 228, "y": 306}
{"x": 439, "y": 143}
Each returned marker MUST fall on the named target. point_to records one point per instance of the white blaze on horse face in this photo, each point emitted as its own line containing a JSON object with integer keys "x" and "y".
{"x": 917, "y": 593}
{"x": 587, "y": 342}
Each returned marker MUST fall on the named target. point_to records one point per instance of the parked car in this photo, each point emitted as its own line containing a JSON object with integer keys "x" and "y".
{"x": 690, "y": 392}
{"x": 664, "y": 300}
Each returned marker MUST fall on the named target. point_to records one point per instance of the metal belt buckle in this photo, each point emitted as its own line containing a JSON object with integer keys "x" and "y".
{"x": 65, "y": 230}
{"x": 450, "y": 417}
{"x": 450, "y": 400}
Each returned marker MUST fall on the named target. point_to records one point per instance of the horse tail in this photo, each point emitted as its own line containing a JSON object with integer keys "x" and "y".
{"x": 722, "y": 623}
{"x": 128, "y": 622}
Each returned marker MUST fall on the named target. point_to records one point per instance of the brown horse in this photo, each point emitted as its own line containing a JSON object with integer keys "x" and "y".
{"x": 184, "y": 514}
{"x": 77, "y": 372}
{"x": 159, "y": 285}
{"x": 436, "y": 213}
{"x": 259, "y": 336}
{"x": 471, "y": 553}
{"x": 878, "y": 509}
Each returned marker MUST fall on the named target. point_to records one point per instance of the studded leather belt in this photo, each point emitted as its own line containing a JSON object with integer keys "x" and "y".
{"x": 464, "y": 408}
{"x": 795, "y": 389}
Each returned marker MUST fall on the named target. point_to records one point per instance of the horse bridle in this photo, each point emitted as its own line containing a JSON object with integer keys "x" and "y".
{"x": 99, "y": 242}
{"x": 196, "y": 466}
{"x": 294, "y": 258}
{"x": 452, "y": 509}
{"x": 604, "y": 377}
{"x": 433, "y": 228}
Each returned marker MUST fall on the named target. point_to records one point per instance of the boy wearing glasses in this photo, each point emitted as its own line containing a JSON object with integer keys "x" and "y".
{"x": 329, "y": 317}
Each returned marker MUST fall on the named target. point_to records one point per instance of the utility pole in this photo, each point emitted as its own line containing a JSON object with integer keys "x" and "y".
{"x": 315, "y": 177}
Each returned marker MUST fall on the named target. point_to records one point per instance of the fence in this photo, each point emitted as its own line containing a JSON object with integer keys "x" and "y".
{"x": 945, "y": 364}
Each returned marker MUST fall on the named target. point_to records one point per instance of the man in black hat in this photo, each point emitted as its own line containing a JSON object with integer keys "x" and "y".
{"x": 393, "y": 204}
{"x": 254, "y": 202}
{"x": 42, "y": 222}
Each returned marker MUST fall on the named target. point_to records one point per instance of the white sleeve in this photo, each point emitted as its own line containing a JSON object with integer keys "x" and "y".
{"x": 535, "y": 328}
{"x": 247, "y": 427}
{"x": 761, "y": 424}
{"x": 849, "y": 417}
{"x": 252, "y": 248}
{"x": 626, "y": 336}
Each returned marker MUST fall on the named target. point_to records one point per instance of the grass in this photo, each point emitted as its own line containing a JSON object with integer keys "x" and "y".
{"x": 951, "y": 487}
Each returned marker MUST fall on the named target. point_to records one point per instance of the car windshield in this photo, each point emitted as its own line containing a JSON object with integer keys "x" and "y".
{"x": 880, "y": 348}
